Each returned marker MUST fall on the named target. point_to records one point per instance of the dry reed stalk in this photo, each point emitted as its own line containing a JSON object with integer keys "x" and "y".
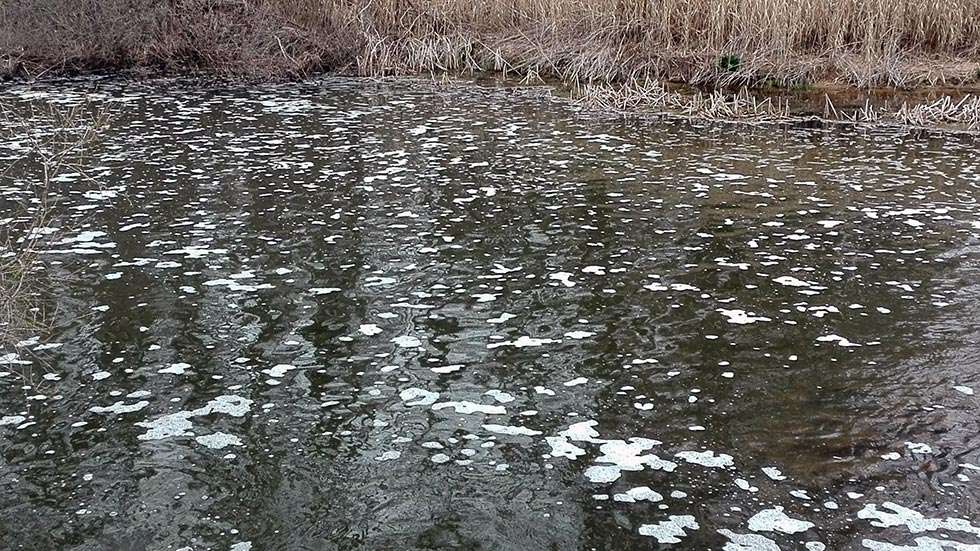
{"x": 653, "y": 98}
{"x": 944, "y": 111}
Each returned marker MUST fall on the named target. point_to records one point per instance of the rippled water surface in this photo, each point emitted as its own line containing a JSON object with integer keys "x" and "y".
{"x": 357, "y": 316}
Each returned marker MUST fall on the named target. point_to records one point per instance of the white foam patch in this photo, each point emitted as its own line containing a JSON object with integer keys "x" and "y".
{"x": 522, "y": 342}
{"x": 748, "y": 542}
{"x": 407, "y": 341}
{"x": 418, "y": 397}
{"x": 582, "y": 431}
{"x": 601, "y": 474}
{"x": 317, "y": 291}
{"x": 179, "y": 424}
{"x": 468, "y": 408}
{"x": 640, "y": 493}
{"x": 175, "y": 368}
{"x": 234, "y": 285}
{"x": 446, "y": 368}
{"x": 512, "y": 431}
{"x": 918, "y": 447}
{"x": 829, "y": 223}
{"x": 741, "y": 317}
{"x": 12, "y": 420}
{"x": 564, "y": 277}
{"x": 707, "y": 459}
{"x": 841, "y": 341}
{"x": 500, "y": 396}
{"x": 775, "y": 520}
{"x": 629, "y": 456}
{"x": 791, "y": 281}
{"x": 167, "y": 426}
{"x": 218, "y": 440}
{"x": 891, "y": 514}
{"x": 670, "y": 530}
{"x": 501, "y": 318}
{"x": 561, "y": 447}
{"x": 119, "y": 407}
{"x": 279, "y": 370}
{"x": 773, "y": 473}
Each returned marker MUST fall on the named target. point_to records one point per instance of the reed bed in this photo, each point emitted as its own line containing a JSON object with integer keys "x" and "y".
{"x": 942, "y": 112}
{"x": 718, "y": 42}
{"x": 652, "y": 98}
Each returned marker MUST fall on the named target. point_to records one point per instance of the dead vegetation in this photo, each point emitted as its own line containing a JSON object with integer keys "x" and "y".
{"x": 652, "y": 98}
{"x": 717, "y": 42}
{"x": 961, "y": 114}
{"x": 945, "y": 111}
{"x": 658, "y": 100}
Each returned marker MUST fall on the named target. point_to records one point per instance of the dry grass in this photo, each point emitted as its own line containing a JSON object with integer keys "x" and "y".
{"x": 721, "y": 42}
{"x": 863, "y": 42}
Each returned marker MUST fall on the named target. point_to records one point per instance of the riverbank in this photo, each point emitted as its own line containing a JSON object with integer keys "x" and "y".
{"x": 884, "y": 61}
{"x": 784, "y": 43}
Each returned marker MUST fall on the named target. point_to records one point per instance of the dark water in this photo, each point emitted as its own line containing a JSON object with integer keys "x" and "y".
{"x": 356, "y": 316}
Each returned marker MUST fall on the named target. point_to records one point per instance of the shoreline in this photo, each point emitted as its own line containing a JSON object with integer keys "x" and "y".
{"x": 826, "y": 104}
{"x": 863, "y": 60}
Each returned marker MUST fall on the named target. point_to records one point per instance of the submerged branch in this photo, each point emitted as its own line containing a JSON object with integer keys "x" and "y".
{"x": 48, "y": 143}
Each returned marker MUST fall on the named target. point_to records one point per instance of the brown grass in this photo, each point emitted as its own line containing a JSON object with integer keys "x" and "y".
{"x": 719, "y": 42}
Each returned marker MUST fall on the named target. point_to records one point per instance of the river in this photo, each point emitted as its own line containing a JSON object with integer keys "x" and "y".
{"x": 356, "y": 315}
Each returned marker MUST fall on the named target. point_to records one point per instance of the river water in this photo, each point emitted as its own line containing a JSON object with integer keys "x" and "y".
{"x": 352, "y": 315}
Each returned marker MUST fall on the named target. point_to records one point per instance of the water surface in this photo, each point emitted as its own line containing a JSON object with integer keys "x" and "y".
{"x": 345, "y": 315}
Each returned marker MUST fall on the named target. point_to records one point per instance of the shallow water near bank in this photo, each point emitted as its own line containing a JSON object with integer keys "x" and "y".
{"x": 345, "y": 315}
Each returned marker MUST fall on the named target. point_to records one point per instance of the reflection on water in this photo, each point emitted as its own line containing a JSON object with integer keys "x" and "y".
{"x": 349, "y": 316}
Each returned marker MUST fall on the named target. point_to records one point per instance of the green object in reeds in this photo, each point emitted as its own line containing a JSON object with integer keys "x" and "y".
{"x": 730, "y": 62}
